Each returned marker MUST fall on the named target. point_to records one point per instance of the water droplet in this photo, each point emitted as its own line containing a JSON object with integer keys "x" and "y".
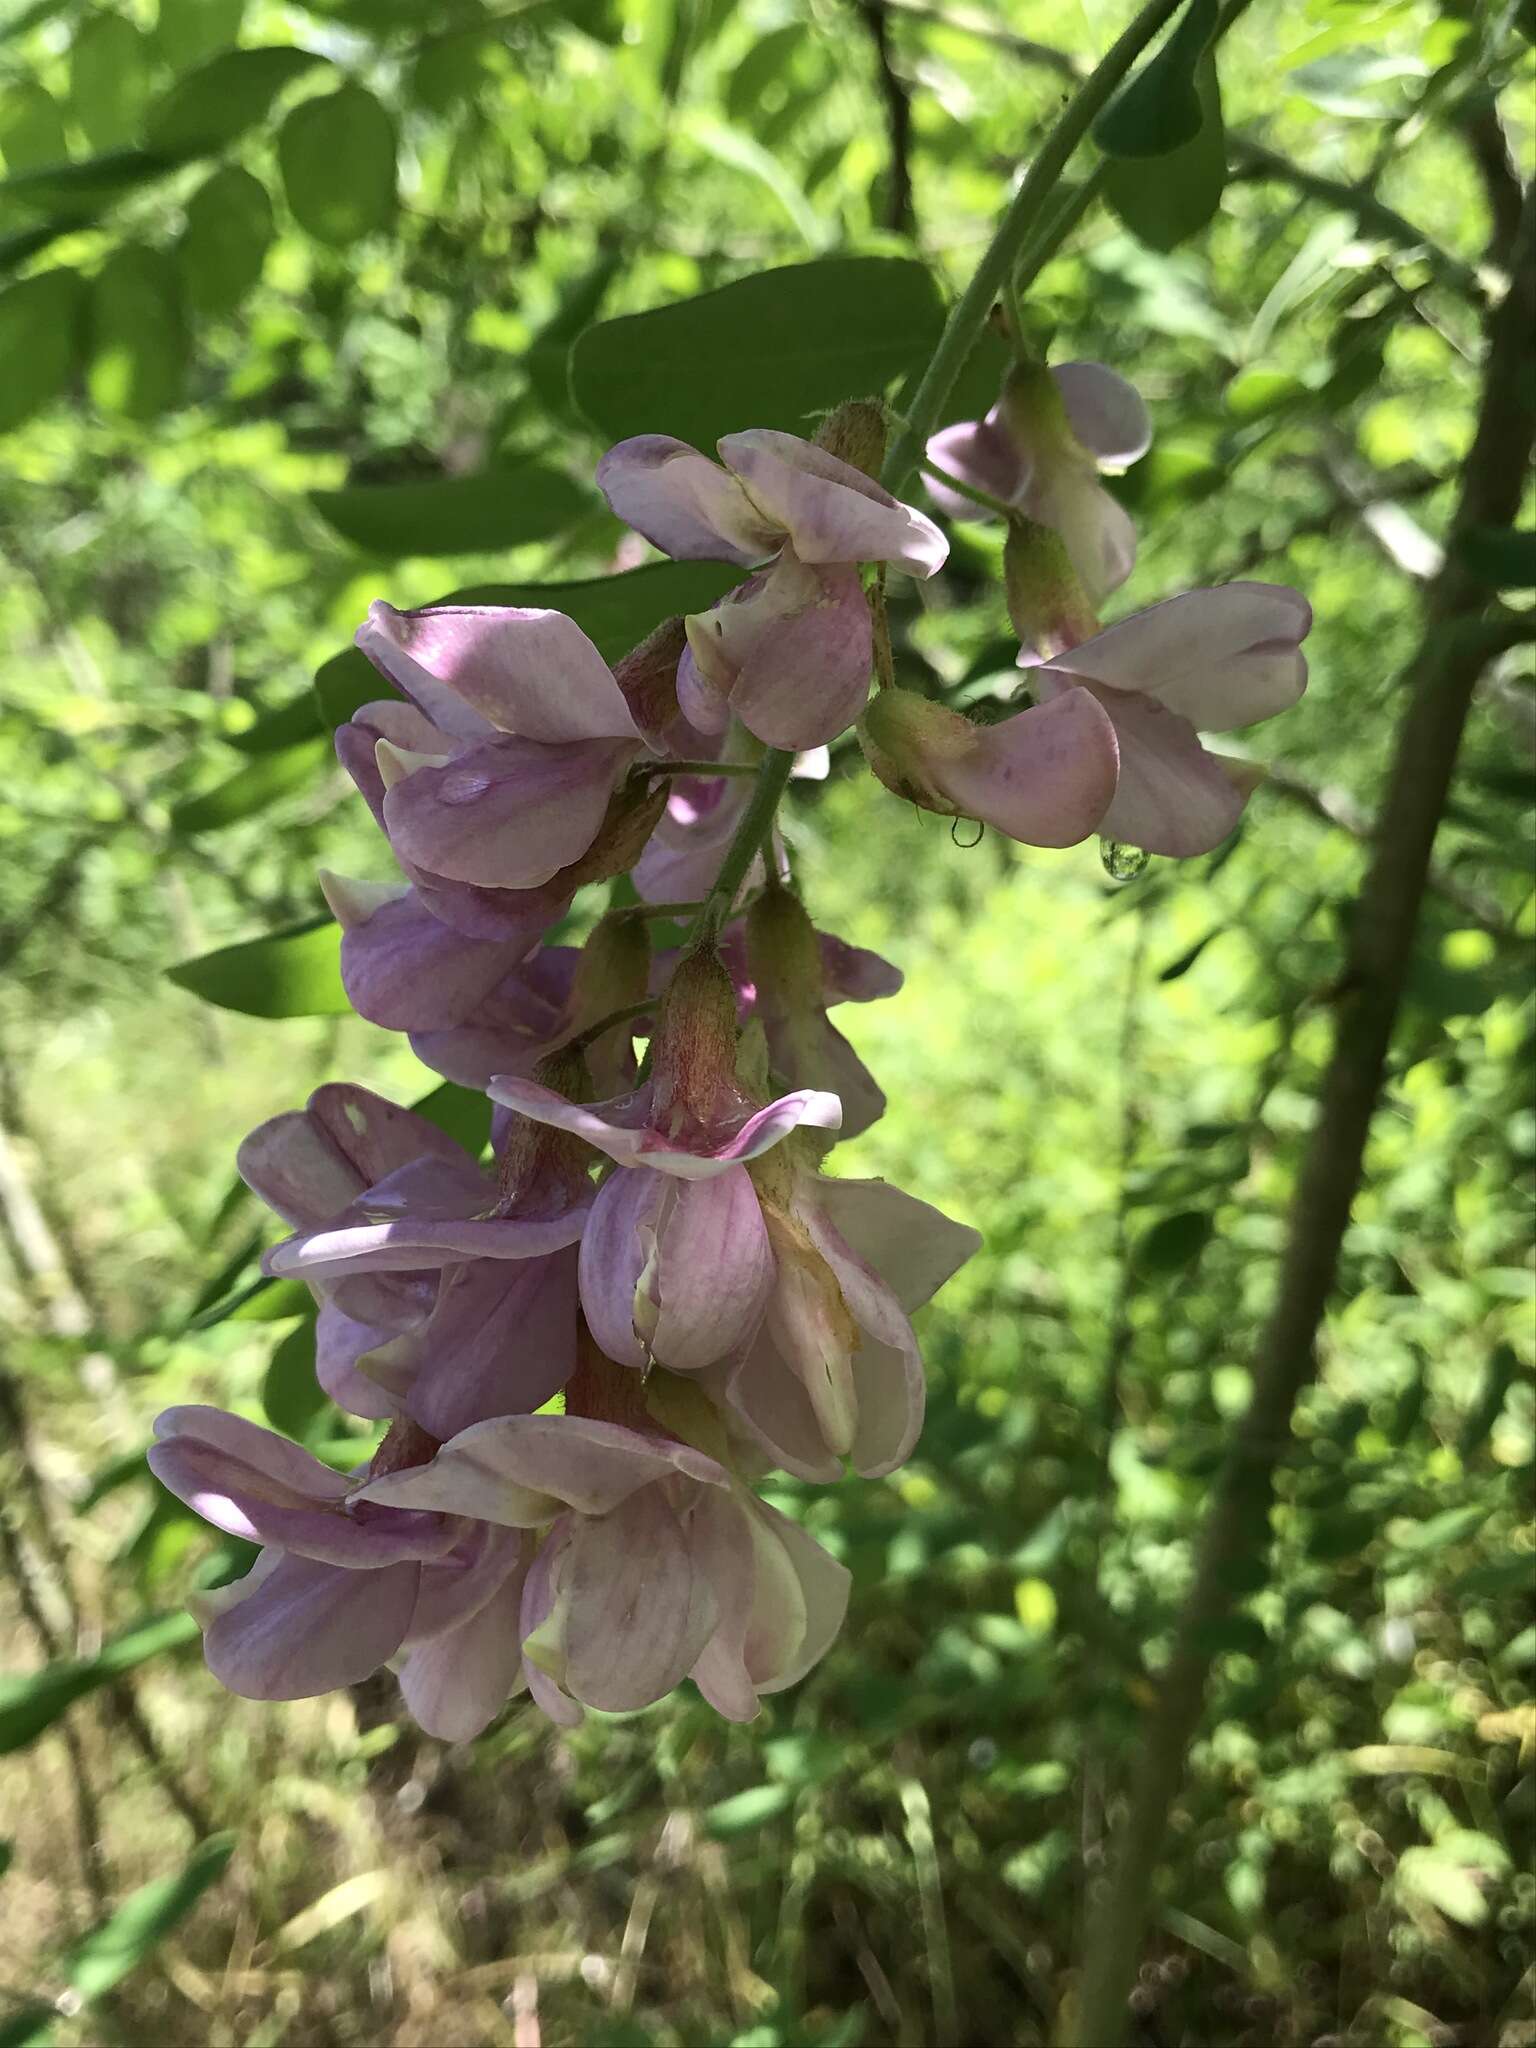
{"x": 966, "y": 844}
{"x": 1122, "y": 863}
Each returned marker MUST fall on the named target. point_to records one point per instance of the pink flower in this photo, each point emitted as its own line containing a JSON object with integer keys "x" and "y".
{"x": 438, "y": 1299}
{"x": 657, "y": 1563}
{"x": 343, "y": 1585}
{"x": 500, "y": 773}
{"x": 790, "y": 649}
{"x": 835, "y": 1370}
{"x": 1041, "y": 448}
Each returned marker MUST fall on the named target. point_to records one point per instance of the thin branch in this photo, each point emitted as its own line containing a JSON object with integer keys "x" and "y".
{"x": 900, "y": 213}
{"x": 1440, "y": 685}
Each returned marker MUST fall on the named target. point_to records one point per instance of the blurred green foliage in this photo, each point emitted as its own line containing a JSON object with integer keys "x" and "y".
{"x": 312, "y": 305}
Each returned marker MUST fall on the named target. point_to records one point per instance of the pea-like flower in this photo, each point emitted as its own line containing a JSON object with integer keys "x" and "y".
{"x": 791, "y": 648}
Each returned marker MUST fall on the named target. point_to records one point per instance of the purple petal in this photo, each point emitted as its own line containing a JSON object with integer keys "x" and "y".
{"x": 456, "y": 1683}
{"x": 414, "y": 1244}
{"x": 520, "y": 1470}
{"x": 1105, "y": 413}
{"x": 340, "y": 1343}
{"x": 792, "y": 648}
{"x": 983, "y": 454}
{"x": 769, "y": 1397}
{"x": 512, "y": 1028}
{"x": 675, "y": 1272}
{"x": 683, "y": 503}
{"x": 308, "y": 1164}
{"x": 831, "y": 511}
{"x": 357, "y": 744}
{"x": 618, "y": 1128}
{"x": 854, "y": 974}
{"x": 501, "y": 1341}
{"x": 682, "y": 856}
{"x": 529, "y": 672}
{"x": 1044, "y": 776}
{"x": 1220, "y": 658}
{"x": 309, "y": 1628}
{"x": 508, "y": 813}
{"x": 809, "y": 1050}
{"x": 405, "y": 969}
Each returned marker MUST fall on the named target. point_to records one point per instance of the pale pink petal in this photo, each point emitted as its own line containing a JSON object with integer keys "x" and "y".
{"x": 1097, "y": 532}
{"x": 508, "y": 813}
{"x": 854, "y": 974}
{"x": 983, "y": 454}
{"x": 620, "y": 1128}
{"x": 792, "y": 650}
{"x": 456, "y": 1684}
{"x": 414, "y": 1244}
{"x": 792, "y": 1630}
{"x": 501, "y": 1341}
{"x": 639, "y": 1613}
{"x": 684, "y": 503}
{"x": 913, "y": 1247}
{"x": 405, "y": 969}
{"x": 769, "y": 1397}
{"x": 310, "y": 1628}
{"x": 534, "y": 673}
{"x": 809, "y": 1050}
{"x": 1220, "y": 658}
{"x": 1044, "y": 776}
{"x": 720, "y": 1542}
{"x": 540, "y": 1594}
{"x": 520, "y": 1471}
{"x": 1105, "y": 413}
{"x": 1173, "y": 797}
{"x": 831, "y": 511}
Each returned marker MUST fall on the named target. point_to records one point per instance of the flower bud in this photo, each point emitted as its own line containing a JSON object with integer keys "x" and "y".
{"x": 542, "y": 1167}
{"x": 784, "y": 954}
{"x": 695, "y": 1042}
{"x": 602, "y": 1391}
{"x": 614, "y": 970}
{"x": 855, "y": 433}
{"x": 905, "y": 737}
{"x": 1035, "y": 411}
{"x": 1046, "y": 600}
{"x": 647, "y": 676}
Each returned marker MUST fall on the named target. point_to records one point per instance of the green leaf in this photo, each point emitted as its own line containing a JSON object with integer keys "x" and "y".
{"x": 1439, "y": 1532}
{"x": 1500, "y": 1376}
{"x": 613, "y": 611}
{"x": 1503, "y": 556}
{"x": 291, "y": 1397}
{"x": 746, "y": 1810}
{"x": 212, "y": 105}
{"x": 138, "y": 339}
{"x": 1361, "y": 84}
{"x": 31, "y": 2027}
{"x": 29, "y": 1705}
{"x": 284, "y": 726}
{"x": 31, "y": 128}
{"x": 1165, "y": 202}
{"x": 75, "y": 190}
{"x": 108, "y": 1953}
{"x": 773, "y": 350}
{"x": 292, "y": 973}
{"x": 1242, "y": 1633}
{"x": 187, "y": 31}
{"x": 108, "y": 79}
{"x": 262, "y": 1301}
{"x": 225, "y": 241}
{"x": 41, "y": 326}
{"x": 456, "y": 516}
{"x": 1160, "y": 109}
{"x": 1257, "y": 394}
{"x": 739, "y": 152}
{"x": 1174, "y": 1241}
{"x": 337, "y": 156}
{"x": 251, "y": 790}
{"x": 765, "y": 63}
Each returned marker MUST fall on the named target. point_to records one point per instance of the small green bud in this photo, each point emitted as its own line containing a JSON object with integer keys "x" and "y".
{"x": 855, "y": 433}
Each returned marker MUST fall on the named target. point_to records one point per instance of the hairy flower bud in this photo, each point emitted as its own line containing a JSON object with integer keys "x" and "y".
{"x": 902, "y": 736}
{"x": 784, "y": 954}
{"x": 647, "y": 676}
{"x": 1047, "y": 603}
{"x": 633, "y": 813}
{"x": 855, "y": 433}
{"x": 695, "y": 1043}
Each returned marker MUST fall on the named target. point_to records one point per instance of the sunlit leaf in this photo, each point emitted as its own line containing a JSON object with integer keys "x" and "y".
{"x": 252, "y": 790}
{"x": 744, "y": 1811}
{"x": 773, "y": 350}
{"x": 31, "y": 127}
{"x": 108, "y": 1953}
{"x": 108, "y": 79}
{"x": 31, "y": 1703}
{"x": 41, "y": 326}
{"x": 293, "y": 973}
{"x": 187, "y": 31}
{"x": 230, "y": 92}
{"x": 337, "y": 156}
{"x": 225, "y": 241}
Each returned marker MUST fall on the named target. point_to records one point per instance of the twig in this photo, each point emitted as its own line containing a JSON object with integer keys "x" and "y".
{"x": 1441, "y": 683}
{"x": 900, "y": 213}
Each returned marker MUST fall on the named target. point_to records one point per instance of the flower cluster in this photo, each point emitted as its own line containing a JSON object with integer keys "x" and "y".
{"x": 588, "y": 1350}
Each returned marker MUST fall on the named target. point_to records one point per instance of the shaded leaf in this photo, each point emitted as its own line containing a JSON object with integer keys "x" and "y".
{"x": 230, "y": 92}
{"x": 32, "y": 1703}
{"x": 225, "y": 241}
{"x": 108, "y": 79}
{"x": 187, "y": 31}
{"x": 298, "y": 719}
{"x": 31, "y": 127}
{"x": 41, "y": 325}
{"x": 1174, "y": 1241}
{"x": 337, "y": 156}
{"x": 292, "y": 973}
{"x": 464, "y": 1113}
{"x": 291, "y": 1397}
{"x": 75, "y": 189}
{"x": 1160, "y": 109}
{"x": 1165, "y": 202}
{"x": 138, "y": 339}
{"x": 773, "y": 350}
{"x": 253, "y": 789}
{"x": 456, "y": 515}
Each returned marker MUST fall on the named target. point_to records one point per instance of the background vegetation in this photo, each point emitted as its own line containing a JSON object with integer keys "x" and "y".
{"x": 292, "y": 300}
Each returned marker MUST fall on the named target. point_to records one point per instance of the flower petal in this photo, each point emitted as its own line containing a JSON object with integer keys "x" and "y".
{"x": 456, "y": 1683}
{"x": 983, "y": 454}
{"x": 640, "y": 1613}
{"x": 341, "y": 1343}
{"x": 524, "y": 671}
{"x": 1220, "y": 658}
{"x": 309, "y": 1628}
{"x": 769, "y": 1397}
{"x": 1173, "y": 797}
{"x": 720, "y": 1542}
{"x": 913, "y": 1247}
{"x": 405, "y": 969}
{"x": 1105, "y": 413}
{"x": 1044, "y": 776}
{"x": 831, "y": 511}
{"x": 506, "y": 814}
{"x": 787, "y": 1553}
{"x": 501, "y": 1341}
{"x": 1097, "y": 531}
{"x": 682, "y": 502}
{"x": 792, "y": 649}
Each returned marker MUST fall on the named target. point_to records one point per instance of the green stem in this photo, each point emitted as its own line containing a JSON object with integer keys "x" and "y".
{"x": 1042, "y": 247}
{"x": 658, "y": 768}
{"x": 657, "y": 909}
{"x": 595, "y": 1031}
{"x": 755, "y": 824}
{"x": 970, "y": 311}
{"x": 964, "y": 490}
